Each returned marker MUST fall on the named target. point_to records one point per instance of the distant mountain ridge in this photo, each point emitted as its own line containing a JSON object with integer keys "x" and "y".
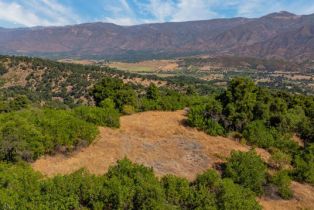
{"x": 277, "y": 35}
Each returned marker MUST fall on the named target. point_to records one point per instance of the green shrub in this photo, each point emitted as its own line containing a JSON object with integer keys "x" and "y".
{"x": 177, "y": 190}
{"x": 282, "y": 181}
{"x": 279, "y": 159}
{"x": 304, "y": 165}
{"x": 258, "y": 134}
{"x": 234, "y": 197}
{"x": 128, "y": 109}
{"x": 3, "y": 69}
{"x": 98, "y": 116}
{"x": 125, "y": 186}
{"x": 209, "y": 179}
{"x": 152, "y": 92}
{"x": 202, "y": 198}
{"x": 28, "y": 134}
{"x": 121, "y": 94}
{"x": 246, "y": 169}
{"x": 206, "y": 117}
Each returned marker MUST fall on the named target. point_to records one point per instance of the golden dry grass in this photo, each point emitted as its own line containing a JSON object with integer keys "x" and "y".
{"x": 160, "y": 140}
{"x": 146, "y": 66}
{"x": 156, "y": 139}
{"x": 303, "y": 199}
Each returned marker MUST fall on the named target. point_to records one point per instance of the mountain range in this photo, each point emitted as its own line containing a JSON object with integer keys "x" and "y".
{"x": 280, "y": 35}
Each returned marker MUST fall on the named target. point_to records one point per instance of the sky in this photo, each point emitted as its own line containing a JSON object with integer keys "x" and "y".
{"x": 30, "y": 13}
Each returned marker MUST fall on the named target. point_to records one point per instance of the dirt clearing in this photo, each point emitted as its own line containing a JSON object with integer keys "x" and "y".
{"x": 155, "y": 139}
{"x": 160, "y": 140}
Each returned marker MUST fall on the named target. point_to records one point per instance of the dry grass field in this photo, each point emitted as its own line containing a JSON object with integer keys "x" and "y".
{"x": 147, "y": 66}
{"x": 162, "y": 141}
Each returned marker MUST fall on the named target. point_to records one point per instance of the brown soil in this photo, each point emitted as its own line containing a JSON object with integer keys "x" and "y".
{"x": 160, "y": 140}
{"x": 156, "y": 139}
{"x": 303, "y": 199}
{"x": 16, "y": 76}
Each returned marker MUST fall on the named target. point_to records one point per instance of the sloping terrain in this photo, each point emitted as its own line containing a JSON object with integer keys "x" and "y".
{"x": 156, "y": 139}
{"x": 160, "y": 140}
{"x": 303, "y": 199}
{"x": 282, "y": 35}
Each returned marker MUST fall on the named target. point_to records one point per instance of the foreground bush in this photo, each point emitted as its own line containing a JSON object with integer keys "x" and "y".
{"x": 125, "y": 186}
{"x": 28, "y": 134}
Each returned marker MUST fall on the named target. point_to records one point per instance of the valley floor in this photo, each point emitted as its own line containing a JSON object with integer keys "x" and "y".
{"x": 160, "y": 140}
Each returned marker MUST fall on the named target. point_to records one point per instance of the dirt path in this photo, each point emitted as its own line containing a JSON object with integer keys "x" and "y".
{"x": 160, "y": 140}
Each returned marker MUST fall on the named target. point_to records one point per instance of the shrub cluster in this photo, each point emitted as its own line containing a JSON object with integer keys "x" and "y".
{"x": 265, "y": 118}
{"x": 124, "y": 186}
{"x": 29, "y": 133}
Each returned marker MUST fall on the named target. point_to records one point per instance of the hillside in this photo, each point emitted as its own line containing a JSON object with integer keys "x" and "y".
{"x": 170, "y": 149}
{"x": 128, "y": 132}
{"x": 47, "y": 80}
{"x": 281, "y": 35}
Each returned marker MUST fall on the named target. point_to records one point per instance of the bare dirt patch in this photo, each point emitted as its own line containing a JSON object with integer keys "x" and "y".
{"x": 160, "y": 140}
{"x": 155, "y": 139}
{"x": 303, "y": 199}
{"x": 16, "y": 76}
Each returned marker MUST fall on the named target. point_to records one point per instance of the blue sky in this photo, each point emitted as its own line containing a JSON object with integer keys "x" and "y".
{"x": 22, "y": 13}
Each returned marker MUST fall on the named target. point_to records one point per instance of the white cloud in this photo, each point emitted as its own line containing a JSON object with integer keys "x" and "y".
{"x": 256, "y": 8}
{"x": 121, "y": 13}
{"x": 194, "y": 10}
{"x": 37, "y": 13}
{"x": 123, "y": 21}
{"x": 161, "y": 11}
{"x": 13, "y": 12}
{"x": 131, "y": 12}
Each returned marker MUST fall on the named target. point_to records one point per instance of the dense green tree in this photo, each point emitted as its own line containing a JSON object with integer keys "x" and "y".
{"x": 207, "y": 117}
{"x": 257, "y": 133}
{"x": 153, "y": 92}
{"x": 304, "y": 164}
{"x": 239, "y": 101}
{"x": 247, "y": 169}
{"x": 114, "y": 89}
{"x": 233, "y": 197}
{"x": 177, "y": 190}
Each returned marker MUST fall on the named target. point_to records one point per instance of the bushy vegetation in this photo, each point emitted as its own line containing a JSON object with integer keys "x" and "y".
{"x": 14, "y": 104}
{"x": 125, "y": 186}
{"x": 71, "y": 83}
{"x": 106, "y": 116}
{"x": 28, "y": 134}
{"x": 3, "y": 69}
{"x": 111, "y": 88}
{"x": 304, "y": 164}
{"x": 31, "y": 125}
{"x": 282, "y": 181}
{"x": 247, "y": 169}
{"x": 207, "y": 117}
{"x": 126, "y": 99}
{"x": 266, "y": 119}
